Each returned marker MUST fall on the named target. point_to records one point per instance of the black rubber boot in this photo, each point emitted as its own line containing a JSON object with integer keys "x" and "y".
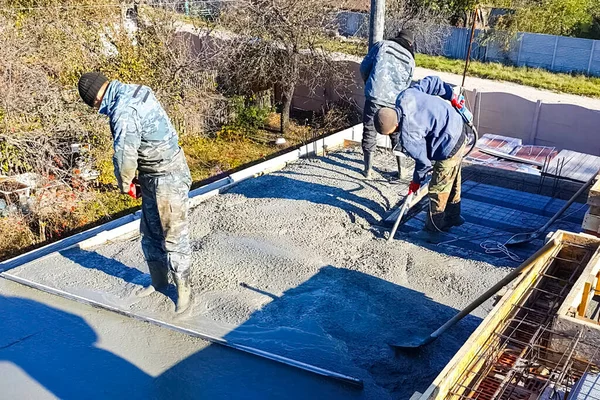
{"x": 453, "y": 217}
{"x": 184, "y": 292}
{"x": 160, "y": 278}
{"x": 432, "y": 232}
{"x": 399, "y": 162}
{"x": 368, "y": 171}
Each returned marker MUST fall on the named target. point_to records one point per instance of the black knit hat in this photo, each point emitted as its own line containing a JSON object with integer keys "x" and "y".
{"x": 89, "y": 85}
{"x": 407, "y": 35}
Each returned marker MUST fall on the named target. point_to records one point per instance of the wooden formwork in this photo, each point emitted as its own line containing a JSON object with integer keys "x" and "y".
{"x": 468, "y": 364}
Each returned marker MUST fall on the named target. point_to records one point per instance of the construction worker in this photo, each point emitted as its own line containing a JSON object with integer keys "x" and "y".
{"x": 387, "y": 70}
{"x": 145, "y": 141}
{"x": 430, "y": 129}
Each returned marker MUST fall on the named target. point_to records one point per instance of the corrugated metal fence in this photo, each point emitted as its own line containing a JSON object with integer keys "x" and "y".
{"x": 554, "y": 53}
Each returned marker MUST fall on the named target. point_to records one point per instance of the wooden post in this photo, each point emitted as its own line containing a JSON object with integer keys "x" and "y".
{"x": 584, "y": 299}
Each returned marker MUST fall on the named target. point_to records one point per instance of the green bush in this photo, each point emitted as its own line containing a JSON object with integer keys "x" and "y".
{"x": 248, "y": 118}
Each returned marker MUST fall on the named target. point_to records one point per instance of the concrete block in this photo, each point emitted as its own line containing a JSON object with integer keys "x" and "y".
{"x": 594, "y": 195}
{"x": 591, "y": 223}
{"x": 595, "y": 210}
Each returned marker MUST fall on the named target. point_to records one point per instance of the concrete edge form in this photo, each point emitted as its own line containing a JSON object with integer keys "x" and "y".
{"x": 127, "y": 226}
{"x": 261, "y": 353}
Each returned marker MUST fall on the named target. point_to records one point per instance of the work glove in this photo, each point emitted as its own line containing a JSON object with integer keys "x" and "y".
{"x": 458, "y": 101}
{"x": 135, "y": 190}
{"x": 413, "y": 187}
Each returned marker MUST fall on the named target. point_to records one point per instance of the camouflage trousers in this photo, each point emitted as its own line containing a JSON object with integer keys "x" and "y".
{"x": 164, "y": 223}
{"x": 444, "y": 187}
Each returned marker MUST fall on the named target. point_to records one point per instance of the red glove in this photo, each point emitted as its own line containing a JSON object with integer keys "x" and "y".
{"x": 135, "y": 191}
{"x": 413, "y": 187}
{"x": 458, "y": 101}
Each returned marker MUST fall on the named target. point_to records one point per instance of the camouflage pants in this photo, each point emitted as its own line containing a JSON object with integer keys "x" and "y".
{"x": 444, "y": 188}
{"x": 164, "y": 223}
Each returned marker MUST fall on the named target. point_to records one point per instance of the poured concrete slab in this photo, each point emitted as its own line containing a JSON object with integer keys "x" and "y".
{"x": 296, "y": 263}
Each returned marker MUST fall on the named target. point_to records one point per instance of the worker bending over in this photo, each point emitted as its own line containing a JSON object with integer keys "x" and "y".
{"x": 145, "y": 141}
{"x": 387, "y": 70}
{"x": 430, "y": 129}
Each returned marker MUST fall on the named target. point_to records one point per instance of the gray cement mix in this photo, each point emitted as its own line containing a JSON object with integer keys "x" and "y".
{"x": 295, "y": 263}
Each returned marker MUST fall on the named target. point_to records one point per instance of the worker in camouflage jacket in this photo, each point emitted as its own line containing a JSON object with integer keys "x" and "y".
{"x": 387, "y": 70}
{"x": 430, "y": 129}
{"x": 146, "y": 142}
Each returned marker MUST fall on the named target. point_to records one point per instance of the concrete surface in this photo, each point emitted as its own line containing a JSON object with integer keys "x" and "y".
{"x": 55, "y": 348}
{"x": 294, "y": 263}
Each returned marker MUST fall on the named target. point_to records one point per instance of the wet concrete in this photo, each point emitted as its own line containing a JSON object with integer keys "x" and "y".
{"x": 295, "y": 263}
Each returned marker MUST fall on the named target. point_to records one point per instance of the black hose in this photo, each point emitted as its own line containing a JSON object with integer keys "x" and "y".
{"x": 475, "y": 138}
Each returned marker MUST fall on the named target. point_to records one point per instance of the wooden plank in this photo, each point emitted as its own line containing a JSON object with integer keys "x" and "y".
{"x": 597, "y": 288}
{"x": 584, "y": 299}
{"x": 463, "y": 359}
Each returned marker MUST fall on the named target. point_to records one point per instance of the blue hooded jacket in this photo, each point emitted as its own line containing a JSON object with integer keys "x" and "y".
{"x": 144, "y": 138}
{"x": 429, "y": 126}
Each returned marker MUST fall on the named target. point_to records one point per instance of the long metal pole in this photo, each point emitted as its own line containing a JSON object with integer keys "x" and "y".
{"x": 376, "y": 22}
{"x": 468, "y": 58}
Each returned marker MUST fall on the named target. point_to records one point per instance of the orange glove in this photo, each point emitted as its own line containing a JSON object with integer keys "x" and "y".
{"x": 413, "y": 187}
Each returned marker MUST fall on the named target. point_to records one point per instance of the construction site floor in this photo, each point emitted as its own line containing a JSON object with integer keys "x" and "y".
{"x": 294, "y": 263}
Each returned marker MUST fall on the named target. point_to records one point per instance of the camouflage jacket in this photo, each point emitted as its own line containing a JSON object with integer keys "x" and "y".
{"x": 144, "y": 138}
{"x": 387, "y": 70}
{"x": 430, "y": 128}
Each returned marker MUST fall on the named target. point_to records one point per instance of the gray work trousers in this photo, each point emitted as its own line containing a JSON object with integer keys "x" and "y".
{"x": 369, "y": 140}
{"x": 164, "y": 223}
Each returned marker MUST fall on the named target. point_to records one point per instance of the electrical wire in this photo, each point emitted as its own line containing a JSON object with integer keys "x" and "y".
{"x": 495, "y": 247}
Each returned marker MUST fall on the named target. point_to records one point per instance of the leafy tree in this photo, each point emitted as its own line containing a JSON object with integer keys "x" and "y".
{"x": 555, "y": 17}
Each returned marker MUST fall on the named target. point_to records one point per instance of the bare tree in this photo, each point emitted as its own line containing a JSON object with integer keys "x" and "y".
{"x": 428, "y": 24}
{"x": 279, "y": 44}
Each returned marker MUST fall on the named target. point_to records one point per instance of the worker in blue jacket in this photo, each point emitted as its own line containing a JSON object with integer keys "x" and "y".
{"x": 430, "y": 130}
{"x": 146, "y": 142}
{"x": 387, "y": 70}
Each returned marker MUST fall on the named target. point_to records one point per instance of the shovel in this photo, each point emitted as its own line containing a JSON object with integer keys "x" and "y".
{"x": 521, "y": 238}
{"x": 416, "y": 342}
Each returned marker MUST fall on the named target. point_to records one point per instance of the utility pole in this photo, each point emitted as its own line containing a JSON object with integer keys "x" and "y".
{"x": 376, "y": 22}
